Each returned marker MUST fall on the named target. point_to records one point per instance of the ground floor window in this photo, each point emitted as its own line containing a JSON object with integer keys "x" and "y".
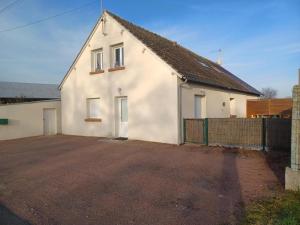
{"x": 93, "y": 108}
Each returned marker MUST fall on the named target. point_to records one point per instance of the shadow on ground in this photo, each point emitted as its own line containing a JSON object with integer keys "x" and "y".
{"x": 7, "y": 217}
{"x": 278, "y": 161}
{"x": 230, "y": 197}
{"x": 128, "y": 182}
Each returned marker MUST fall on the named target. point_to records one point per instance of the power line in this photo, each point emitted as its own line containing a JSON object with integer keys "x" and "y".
{"x": 9, "y": 5}
{"x": 47, "y": 18}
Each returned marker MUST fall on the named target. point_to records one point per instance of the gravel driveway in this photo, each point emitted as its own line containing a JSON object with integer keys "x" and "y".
{"x": 67, "y": 180}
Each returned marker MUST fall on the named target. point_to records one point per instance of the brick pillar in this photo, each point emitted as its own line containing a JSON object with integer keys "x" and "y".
{"x": 292, "y": 175}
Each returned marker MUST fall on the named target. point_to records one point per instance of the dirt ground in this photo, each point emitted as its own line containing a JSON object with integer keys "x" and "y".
{"x": 66, "y": 180}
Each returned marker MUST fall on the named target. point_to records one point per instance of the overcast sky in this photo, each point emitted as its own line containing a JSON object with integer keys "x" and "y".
{"x": 260, "y": 39}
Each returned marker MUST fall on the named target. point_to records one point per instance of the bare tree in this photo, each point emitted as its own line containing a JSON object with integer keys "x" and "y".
{"x": 269, "y": 93}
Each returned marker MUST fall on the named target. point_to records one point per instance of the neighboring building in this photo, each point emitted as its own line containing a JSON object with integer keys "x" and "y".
{"x": 12, "y": 92}
{"x": 129, "y": 82}
{"x": 30, "y": 119}
{"x": 281, "y": 108}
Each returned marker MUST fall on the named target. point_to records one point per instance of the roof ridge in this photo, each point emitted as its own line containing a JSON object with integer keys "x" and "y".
{"x": 167, "y": 39}
{"x": 193, "y": 67}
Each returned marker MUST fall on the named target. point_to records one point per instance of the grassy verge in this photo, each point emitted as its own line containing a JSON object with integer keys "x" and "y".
{"x": 283, "y": 209}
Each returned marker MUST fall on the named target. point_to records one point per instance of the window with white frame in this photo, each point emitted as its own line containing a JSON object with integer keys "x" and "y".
{"x": 93, "y": 108}
{"x": 118, "y": 56}
{"x": 97, "y": 60}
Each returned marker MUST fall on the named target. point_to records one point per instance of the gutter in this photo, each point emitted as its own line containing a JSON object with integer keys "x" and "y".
{"x": 225, "y": 88}
{"x": 179, "y": 103}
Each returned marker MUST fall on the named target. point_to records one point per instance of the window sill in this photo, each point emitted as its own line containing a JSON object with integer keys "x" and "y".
{"x": 97, "y": 72}
{"x": 93, "y": 120}
{"x": 116, "y": 69}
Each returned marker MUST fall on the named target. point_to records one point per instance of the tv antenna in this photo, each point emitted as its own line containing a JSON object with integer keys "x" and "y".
{"x": 220, "y": 56}
{"x": 101, "y": 6}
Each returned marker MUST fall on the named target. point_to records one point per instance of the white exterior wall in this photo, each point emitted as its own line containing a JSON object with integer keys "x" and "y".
{"x": 213, "y": 102}
{"x": 26, "y": 119}
{"x": 147, "y": 82}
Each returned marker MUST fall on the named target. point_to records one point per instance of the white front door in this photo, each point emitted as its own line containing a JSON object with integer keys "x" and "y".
{"x": 50, "y": 127}
{"x": 122, "y": 108}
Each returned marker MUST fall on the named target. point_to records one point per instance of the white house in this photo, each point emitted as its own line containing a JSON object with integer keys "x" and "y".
{"x": 129, "y": 82}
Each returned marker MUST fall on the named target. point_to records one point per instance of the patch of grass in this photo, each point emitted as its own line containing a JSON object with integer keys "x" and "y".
{"x": 283, "y": 209}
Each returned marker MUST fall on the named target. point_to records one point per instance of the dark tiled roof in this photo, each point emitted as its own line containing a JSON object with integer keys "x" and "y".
{"x": 192, "y": 66}
{"x": 29, "y": 90}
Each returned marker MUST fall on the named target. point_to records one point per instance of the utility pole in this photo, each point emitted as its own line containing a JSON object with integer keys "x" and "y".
{"x": 101, "y": 7}
{"x": 299, "y": 76}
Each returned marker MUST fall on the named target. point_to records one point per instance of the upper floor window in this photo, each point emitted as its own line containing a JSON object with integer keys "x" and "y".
{"x": 118, "y": 56}
{"x": 97, "y": 60}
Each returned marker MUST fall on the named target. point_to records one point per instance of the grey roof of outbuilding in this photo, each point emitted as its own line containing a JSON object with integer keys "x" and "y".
{"x": 29, "y": 90}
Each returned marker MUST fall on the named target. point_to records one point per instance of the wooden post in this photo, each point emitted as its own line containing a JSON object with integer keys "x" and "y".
{"x": 205, "y": 131}
{"x": 184, "y": 130}
{"x": 264, "y": 133}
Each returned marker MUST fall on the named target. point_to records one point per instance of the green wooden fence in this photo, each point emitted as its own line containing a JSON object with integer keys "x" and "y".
{"x": 3, "y": 121}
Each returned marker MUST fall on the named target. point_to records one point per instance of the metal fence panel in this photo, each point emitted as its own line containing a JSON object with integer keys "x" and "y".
{"x": 278, "y": 134}
{"x": 193, "y": 129}
{"x": 258, "y": 133}
{"x": 235, "y": 132}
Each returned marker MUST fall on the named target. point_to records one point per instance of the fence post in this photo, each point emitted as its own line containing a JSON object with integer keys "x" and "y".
{"x": 184, "y": 131}
{"x": 205, "y": 131}
{"x": 264, "y": 131}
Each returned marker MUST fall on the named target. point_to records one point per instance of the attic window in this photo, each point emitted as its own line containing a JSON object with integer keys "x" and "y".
{"x": 97, "y": 60}
{"x": 117, "y": 56}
